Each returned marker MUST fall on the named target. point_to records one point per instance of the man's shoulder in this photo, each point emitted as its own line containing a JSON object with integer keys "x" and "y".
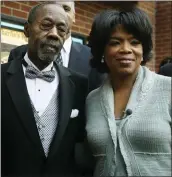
{"x": 167, "y": 66}
{"x": 17, "y": 52}
{"x": 81, "y": 46}
{"x": 20, "y": 48}
{"x": 166, "y": 69}
{"x": 5, "y": 66}
{"x": 4, "y": 69}
{"x": 75, "y": 76}
{"x": 80, "y": 82}
{"x": 78, "y": 76}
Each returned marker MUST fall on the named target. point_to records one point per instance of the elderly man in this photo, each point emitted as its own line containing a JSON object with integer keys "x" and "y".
{"x": 74, "y": 55}
{"x": 42, "y": 102}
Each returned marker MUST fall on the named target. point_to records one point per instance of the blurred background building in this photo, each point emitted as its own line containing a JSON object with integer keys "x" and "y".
{"x": 14, "y": 14}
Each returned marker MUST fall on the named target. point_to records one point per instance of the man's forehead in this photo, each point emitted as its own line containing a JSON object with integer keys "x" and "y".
{"x": 51, "y": 7}
{"x": 51, "y": 11}
{"x": 67, "y": 3}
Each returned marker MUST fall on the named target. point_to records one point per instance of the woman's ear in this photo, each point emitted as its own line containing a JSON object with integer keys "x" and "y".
{"x": 26, "y": 29}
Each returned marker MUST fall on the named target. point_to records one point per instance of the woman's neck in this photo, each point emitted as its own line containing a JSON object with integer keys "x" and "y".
{"x": 122, "y": 82}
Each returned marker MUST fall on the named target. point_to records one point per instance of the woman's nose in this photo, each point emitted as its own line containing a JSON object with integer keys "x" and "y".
{"x": 126, "y": 47}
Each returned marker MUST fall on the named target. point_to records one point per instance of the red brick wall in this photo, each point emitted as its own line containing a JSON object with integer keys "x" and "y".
{"x": 85, "y": 12}
{"x": 18, "y": 9}
{"x": 149, "y": 8}
{"x": 163, "y": 31}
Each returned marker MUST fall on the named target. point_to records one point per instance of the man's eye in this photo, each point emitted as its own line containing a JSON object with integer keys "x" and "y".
{"x": 46, "y": 25}
{"x": 66, "y": 8}
{"x": 62, "y": 30}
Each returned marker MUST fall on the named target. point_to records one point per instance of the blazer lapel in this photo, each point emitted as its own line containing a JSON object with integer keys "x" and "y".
{"x": 141, "y": 87}
{"x": 66, "y": 91}
{"x": 17, "y": 88}
{"x": 73, "y": 59}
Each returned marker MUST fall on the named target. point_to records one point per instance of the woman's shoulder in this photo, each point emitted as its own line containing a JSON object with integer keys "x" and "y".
{"x": 160, "y": 82}
{"x": 94, "y": 94}
{"x": 163, "y": 82}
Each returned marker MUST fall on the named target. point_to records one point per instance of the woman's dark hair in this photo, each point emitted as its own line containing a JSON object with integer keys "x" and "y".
{"x": 135, "y": 22}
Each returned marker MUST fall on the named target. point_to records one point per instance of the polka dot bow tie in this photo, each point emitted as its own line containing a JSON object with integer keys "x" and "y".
{"x": 33, "y": 73}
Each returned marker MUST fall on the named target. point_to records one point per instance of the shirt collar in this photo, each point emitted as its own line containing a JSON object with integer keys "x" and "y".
{"x": 67, "y": 45}
{"x": 29, "y": 62}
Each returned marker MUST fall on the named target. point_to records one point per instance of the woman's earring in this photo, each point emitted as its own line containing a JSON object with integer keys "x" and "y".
{"x": 103, "y": 59}
{"x": 142, "y": 59}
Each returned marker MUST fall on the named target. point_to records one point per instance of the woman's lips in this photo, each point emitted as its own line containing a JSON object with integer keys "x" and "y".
{"x": 125, "y": 60}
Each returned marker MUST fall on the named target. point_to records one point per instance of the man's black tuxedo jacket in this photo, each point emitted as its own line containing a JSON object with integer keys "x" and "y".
{"x": 80, "y": 56}
{"x": 166, "y": 70}
{"x": 22, "y": 152}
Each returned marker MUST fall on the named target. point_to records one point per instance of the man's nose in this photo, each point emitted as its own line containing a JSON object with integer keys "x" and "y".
{"x": 53, "y": 33}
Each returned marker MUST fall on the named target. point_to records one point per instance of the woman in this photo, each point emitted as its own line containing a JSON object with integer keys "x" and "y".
{"x": 129, "y": 117}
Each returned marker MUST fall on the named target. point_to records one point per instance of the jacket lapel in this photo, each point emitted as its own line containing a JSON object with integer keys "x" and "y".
{"x": 73, "y": 59}
{"x": 66, "y": 91}
{"x": 141, "y": 87}
{"x": 17, "y": 88}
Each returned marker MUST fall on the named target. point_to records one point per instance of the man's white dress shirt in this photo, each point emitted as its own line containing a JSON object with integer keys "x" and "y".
{"x": 41, "y": 91}
{"x": 65, "y": 51}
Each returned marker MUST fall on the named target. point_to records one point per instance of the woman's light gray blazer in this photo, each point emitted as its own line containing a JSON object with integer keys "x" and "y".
{"x": 144, "y": 136}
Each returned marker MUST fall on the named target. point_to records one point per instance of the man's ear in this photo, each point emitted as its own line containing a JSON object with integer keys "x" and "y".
{"x": 74, "y": 18}
{"x": 26, "y": 29}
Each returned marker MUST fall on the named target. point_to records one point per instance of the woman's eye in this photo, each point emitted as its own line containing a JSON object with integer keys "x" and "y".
{"x": 135, "y": 42}
{"x": 114, "y": 43}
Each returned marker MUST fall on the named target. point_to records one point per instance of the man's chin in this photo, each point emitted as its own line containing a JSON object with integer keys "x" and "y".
{"x": 47, "y": 58}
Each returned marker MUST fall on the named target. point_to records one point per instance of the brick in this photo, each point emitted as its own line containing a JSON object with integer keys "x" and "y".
{"x": 82, "y": 18}
{"x": 20, "y": 14}
{"x": 5, "y": 10}
{"x": 12, "y": 4}
{"x": 163, "y": 31}
{"x": 84, "y": 31}
{"x": 89, "y": 20}
{"x": 25, "y": 8}
{"x": 75, "y": 28}
{"x": 89, "y": 14}
{"x": 79, "y": 11}
{"x": 88, "y": 26}
{"x": 77, "y": 16}
{"x": 160, "y": 14}
{"x": 33, "y": 3}
{"x": 24, "y": 2}
{"x": 80, "y": 23}
{"x": 90, "y": 8}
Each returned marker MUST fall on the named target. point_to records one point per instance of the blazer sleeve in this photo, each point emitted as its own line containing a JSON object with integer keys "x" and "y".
{"x": 83, "y": 155}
